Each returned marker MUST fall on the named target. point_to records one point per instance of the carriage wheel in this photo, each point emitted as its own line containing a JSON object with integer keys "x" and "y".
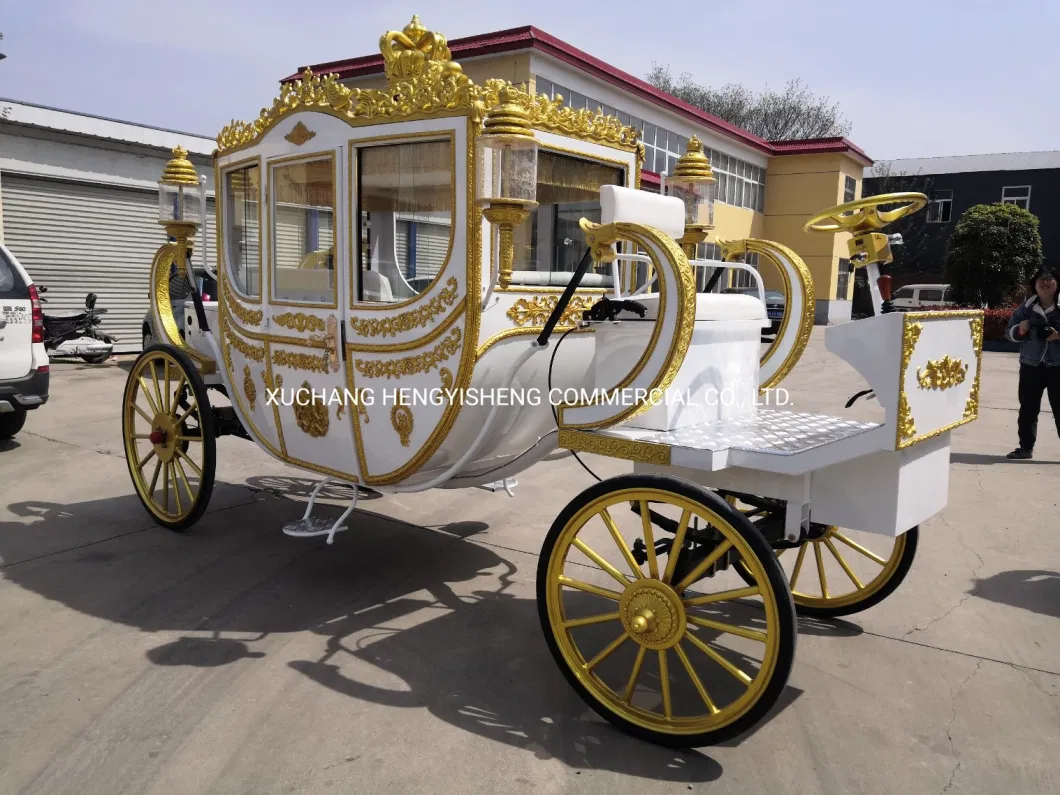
{"x": 838, "y": 572}
{"x": 668, "y": 665}
{"x": 168, "y": 428}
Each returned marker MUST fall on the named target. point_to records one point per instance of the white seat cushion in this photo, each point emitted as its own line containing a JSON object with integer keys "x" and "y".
{"x": 665, "y": 213}
{"x": 709, "y": 306}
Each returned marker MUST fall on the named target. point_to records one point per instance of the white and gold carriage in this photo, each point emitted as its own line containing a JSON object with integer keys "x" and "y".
{"x": 439, "y": 284}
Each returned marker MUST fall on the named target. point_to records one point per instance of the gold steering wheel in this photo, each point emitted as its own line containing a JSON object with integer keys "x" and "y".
{"x": 865, "y": 214}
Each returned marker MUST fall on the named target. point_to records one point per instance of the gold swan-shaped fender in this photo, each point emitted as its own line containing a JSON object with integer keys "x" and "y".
{"x": 162, "y": 307}
{"x": 795, "y": 329}
{"x": 671, "y": 335}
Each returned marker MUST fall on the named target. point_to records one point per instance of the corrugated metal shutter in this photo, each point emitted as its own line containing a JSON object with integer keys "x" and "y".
{"x": 77, "y": 238}
{"x": 290, "y": 236}
{"x": 432, "y": 244}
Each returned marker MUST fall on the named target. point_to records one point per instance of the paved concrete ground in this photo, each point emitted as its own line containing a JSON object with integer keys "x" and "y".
{"x": 408, "y": 657}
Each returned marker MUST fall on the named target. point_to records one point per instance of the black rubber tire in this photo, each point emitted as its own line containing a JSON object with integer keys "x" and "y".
{"x": 95, "y": 358}
{"x": 11, "y": 422}
{"x": 209, "y": 438}
{"x": 788, "y": 629}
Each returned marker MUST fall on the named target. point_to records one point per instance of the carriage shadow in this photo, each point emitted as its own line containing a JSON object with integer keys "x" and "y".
{"x": 435, "y": 611}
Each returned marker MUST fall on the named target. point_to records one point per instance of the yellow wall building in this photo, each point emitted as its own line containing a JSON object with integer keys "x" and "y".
{"x": 766, "y": 189}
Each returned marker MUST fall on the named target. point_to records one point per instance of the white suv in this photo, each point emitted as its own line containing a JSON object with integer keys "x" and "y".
{"x": 24, "y": 369}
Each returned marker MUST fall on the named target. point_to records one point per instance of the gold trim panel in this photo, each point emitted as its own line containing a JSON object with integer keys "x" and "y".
{"x": 627, "y": 449}
{"x": 536, "y": 310}
{"x": 419, "y": 317}
{"x": 410, "y": 365}
{"x": 301, "y": 361}
{"x": 300, "y": 322}
{"x": 942, "y": 374}
{"x": 299, "y": 134}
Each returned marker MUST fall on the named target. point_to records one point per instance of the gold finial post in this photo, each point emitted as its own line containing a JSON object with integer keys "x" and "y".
{"x": 507, "y": 186}
{"x": 693, "y": 182}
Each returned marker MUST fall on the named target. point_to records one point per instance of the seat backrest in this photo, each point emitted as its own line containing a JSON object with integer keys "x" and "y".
{"x": 376, "y": 286}
{"x": 665, "y": 213}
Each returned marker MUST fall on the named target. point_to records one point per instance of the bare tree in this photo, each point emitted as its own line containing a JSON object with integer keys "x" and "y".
{"x": 917, "y": 234}
{"x": 794, "y": 112}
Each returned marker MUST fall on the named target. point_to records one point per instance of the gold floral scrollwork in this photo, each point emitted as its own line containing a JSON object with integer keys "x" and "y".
{"x": 312, "y": 416}
{"x": 299, "y": 134}
{"x": 406, "y": 321}
{"x": 646, "y": 452}
{"x": 535, "y": 311}
{"x": 249, "y": 389}
{"x": 300, "y": 322}
{"x": 942, "y": 374}
{"x": 401, "y": 419}
{"x": 250, "y": 317}
{"x": 910, "y": 336}
{"x": 340, "y": 410}
{"x": 410, "y": 365}
{"x": 971, "y": 407}
{"x": 301, "y": 361}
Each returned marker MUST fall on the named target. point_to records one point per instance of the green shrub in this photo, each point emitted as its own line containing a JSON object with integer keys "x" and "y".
{"x": 994, "y": 248}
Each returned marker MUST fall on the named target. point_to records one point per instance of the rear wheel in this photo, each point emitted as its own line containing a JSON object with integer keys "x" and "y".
{"x": 11, "y": 422}
{"x": 170, "y": 445}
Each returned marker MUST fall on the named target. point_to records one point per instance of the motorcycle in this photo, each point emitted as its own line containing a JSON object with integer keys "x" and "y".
{"x": 78, "y": 334}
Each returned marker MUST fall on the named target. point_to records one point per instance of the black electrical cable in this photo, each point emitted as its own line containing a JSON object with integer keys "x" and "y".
{"x": 555, "y": 414}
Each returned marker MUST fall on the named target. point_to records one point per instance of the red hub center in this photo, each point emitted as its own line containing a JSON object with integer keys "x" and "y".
{"x": 158, "y": 436}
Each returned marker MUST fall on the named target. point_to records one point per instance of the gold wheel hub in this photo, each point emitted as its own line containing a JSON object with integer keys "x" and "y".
{"x": 164, "y": 437}
{"x": 652, "y": 614}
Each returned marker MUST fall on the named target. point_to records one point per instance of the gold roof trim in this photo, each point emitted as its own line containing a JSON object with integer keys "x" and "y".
{"x": 423, "y": 80}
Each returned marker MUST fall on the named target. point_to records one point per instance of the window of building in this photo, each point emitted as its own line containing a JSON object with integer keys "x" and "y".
{"x": 242, "y": 211}
{"x": 843, "y": 279}
{"x": 1019, "y": 195}
{"x": 405, "y": 198}
{"x": 303, "y": 229}
{"x": 740, "y": 183}
{"x": 850, "y": 189}
{"x": 940, "y": 207}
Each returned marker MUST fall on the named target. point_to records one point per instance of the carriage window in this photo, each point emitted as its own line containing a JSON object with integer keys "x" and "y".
{"x": 303, "y": 229}
{"x": 405, "y": 195}
{"x": 568, "y": 189}
{"x": 243, "y": 228}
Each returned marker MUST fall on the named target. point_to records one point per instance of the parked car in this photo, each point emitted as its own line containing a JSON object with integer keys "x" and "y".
{"x": 207, "y": 288}
{"x": 916, "y": 296}
{"x": 775, "y": 304}
{"x": 24, "y": 366}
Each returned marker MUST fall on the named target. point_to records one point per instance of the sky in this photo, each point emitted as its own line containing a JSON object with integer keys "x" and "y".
{"x": 918, "y": 79}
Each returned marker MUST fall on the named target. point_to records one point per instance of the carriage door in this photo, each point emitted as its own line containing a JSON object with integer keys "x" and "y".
{"x": 306, "y": 278}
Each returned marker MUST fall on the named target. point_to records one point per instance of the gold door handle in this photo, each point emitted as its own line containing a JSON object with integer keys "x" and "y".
{"x": 331, "y": 342}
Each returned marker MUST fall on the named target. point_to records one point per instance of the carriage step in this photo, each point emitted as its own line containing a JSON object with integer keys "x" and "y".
{"x": 312, "y": 526}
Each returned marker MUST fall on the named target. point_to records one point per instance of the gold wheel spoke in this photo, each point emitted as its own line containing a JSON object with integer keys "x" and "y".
{"x": 142, "y": 413}
{"x": 176, "y": 487}
{"x": 854, "y": 545}
{"x": 600, "y": 619}
{"x": 158, "y": 390}
{"x": 184, "y": 416}
{"x": 675, "y": 548}
{"x": 141, "y": 436}
{"x": 587, "y": 587}
{"x": 165, "y": 380}
{"x": 620, "y": 542}
{"x": 182, "y": 438}
{"x": 607, "y": 652}
{"x": 599, "y": 561}
{"x": 839, "y": 559}
{"x": 695, "y": 679}
{"x": 631, "y": 685}
{"x": 722, "y": 596}
{"x": 716, "y": 657}
{"x": 146, "y": 390}
{"x": 143, "y": 461}
{"x": 664, "y": 684}
{"x": 154, "y": 480}
{"x": 798, "y": 567}
{"x": 192, "y": 464}
{"x": 705, "y": 564}
{"x": 820, "y": 569}
{"x": 649, "y": 540}
{"x": 750, "y": 634}
{"x": 176, "y": 394}
{"x": 165, "y": 487}
{"x": 184, "y": 479}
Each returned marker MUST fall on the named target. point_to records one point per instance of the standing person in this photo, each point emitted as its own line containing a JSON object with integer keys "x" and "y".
{"x": 1035, "y": 325}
